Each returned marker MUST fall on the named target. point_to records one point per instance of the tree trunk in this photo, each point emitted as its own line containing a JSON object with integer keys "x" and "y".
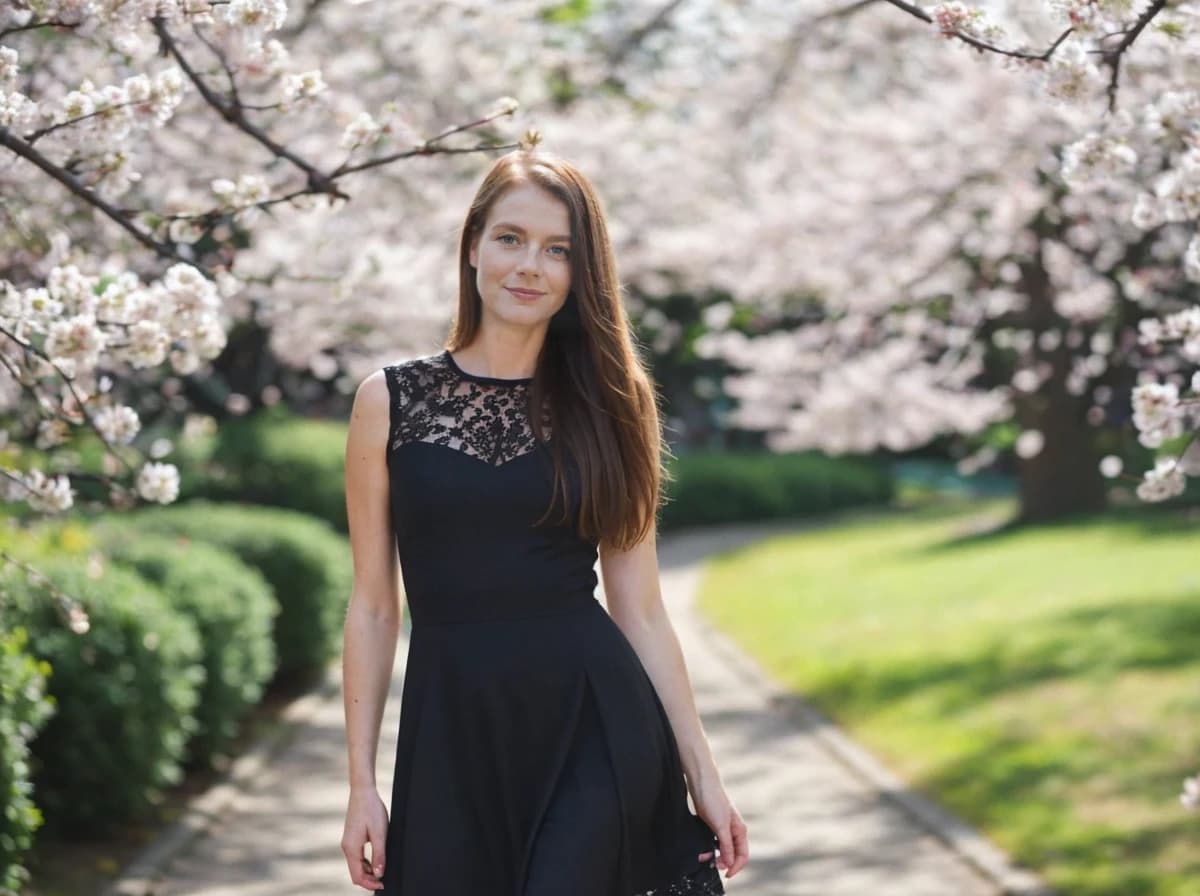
{"x": 1063, "y": 478}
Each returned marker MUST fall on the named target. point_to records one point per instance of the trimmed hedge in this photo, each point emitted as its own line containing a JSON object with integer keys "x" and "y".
{"x": 24, "y": 709}
{"x": 712, "y": 488}
{"x": 233, "y": 608}
{"x": 278, "y": 460}
{"x": 306, "y": 563}
{"x": 126, "y": 691}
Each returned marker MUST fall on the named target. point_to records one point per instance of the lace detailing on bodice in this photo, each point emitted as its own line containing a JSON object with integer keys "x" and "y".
{"x": 433, "y": 400}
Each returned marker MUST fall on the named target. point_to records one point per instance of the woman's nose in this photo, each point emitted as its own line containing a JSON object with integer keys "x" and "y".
{"x": 530, "y": 261}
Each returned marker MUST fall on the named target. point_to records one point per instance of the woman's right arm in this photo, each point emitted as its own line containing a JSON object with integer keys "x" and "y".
{"x": 372, "y": 625}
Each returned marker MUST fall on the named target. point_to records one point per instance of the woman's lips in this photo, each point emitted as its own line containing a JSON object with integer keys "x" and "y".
{"x": 523, "y": 294}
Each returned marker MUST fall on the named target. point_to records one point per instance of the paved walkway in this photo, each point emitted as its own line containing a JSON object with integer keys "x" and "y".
{"x": 817, "y": 825}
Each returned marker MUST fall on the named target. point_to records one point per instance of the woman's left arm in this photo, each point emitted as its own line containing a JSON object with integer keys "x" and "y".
{"x": 634, "y": 597}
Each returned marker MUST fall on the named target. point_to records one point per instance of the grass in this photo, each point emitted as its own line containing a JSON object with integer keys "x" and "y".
{"x": 1043, "y": 683}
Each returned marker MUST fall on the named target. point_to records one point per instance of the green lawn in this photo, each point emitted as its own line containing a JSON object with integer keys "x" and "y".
{"x": 1042, "y": 683}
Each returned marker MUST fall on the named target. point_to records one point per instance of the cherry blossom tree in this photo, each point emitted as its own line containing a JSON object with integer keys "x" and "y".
{"x": 333, "y": 284}
{"x": 977, "y": 262}
{"x": 1139, "y": 139}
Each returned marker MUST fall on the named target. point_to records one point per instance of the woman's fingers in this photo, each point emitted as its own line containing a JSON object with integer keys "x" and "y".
{"x": 361, "y": 872}
{"x": 725, "y": 846}
{"x": 366, "y": 823}
{"x": 352, "y": 850}
{"x": 378, "y": 835}
{"x": 741, "y": 844}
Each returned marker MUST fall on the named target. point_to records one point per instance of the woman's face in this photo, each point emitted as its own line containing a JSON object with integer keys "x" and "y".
{"x": 524, "y": 246}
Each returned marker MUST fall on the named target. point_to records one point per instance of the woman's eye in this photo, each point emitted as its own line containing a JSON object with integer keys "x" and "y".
{"x": 563, "y": 251}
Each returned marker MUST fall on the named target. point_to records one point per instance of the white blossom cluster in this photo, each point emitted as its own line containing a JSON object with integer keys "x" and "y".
{"x": 75, "y": 319}
{"x": 1094, "y": 159}
{"x": 302, "y": 85}
{"x": 1176, "y": 196}
{"x": 1157, "y": 413}
{"x": 958, "y": 17}
{"x": 367, "y": 129}
{"x": 243, "y": 194}
{"x": 81, "y": 322}
{"x": 1089, "y": 17}
{"x": 1072, "y": 76}
{"x": 107, "y": 116}
{"x": 1165, "y": 480}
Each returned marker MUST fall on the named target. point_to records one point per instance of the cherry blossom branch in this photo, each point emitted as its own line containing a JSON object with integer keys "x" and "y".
{"x": 30, "y": 348}
{"x": 1112, "y": 57}
{"x": 70, "y": 609}
{"x": 34, "y": 136}
{"x": 234, "y": 97}
{"x": 423, "y": 150}
{"x": 20, "y": 147}
{"x": 318, "y": 181}
{"x": 982, "y": 44}
{"x": 30, "y": 26}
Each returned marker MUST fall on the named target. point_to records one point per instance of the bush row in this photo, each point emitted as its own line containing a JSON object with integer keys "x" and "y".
{"x": 306, "y": 564}
{"x": 275, "y": 459}
{"x": 191, "y": 610}
{"x": 125, "y": 692}
{"x": 709, "y": 489}
{"x": 24, "y": 709}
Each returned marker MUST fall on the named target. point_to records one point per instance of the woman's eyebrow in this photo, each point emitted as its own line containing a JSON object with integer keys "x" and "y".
{"x": 520, "y": 229}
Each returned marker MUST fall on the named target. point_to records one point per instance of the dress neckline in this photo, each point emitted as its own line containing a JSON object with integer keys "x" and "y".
{"x": 477, "y": 378}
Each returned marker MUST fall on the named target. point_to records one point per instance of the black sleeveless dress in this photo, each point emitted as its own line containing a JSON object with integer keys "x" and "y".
{"x": 514, "y": 668}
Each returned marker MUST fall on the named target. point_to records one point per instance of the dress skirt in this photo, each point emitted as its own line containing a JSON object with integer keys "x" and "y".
{"x": 535, "y": 758}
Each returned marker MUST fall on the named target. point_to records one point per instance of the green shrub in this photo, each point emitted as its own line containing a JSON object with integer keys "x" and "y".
{"x": 278, "y": 460}
{"x": 125, "y": 692}
{"x": 233, "y": 608}
{"x": 24, "y": 708}
{"x": 737, "y": 487}
{"x": 304, "y": 560}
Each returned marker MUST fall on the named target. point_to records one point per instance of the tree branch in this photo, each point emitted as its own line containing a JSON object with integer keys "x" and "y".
{"x": 48, "y": 23}
{"x": 11, "y": 141}
{"x": 1112, "y": 58}
{"x": 232, "y": 112}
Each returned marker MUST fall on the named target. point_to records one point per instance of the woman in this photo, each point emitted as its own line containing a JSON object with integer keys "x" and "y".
{"x": 546, "y": 747}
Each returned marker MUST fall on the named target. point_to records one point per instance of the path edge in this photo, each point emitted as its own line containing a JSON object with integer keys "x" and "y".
{"x": 144, "y": 875}
{"x": 971, "y": 846}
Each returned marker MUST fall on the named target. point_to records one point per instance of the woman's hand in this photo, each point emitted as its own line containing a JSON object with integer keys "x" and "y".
{"x": 366, "y": 822}
{"x": 714, "y": 807}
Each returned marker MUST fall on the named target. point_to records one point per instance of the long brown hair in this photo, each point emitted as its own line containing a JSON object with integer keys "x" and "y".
{"x": 602, "y": 405}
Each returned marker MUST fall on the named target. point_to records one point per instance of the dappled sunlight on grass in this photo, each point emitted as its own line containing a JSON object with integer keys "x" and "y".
{"x": 1044, "y": 682}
